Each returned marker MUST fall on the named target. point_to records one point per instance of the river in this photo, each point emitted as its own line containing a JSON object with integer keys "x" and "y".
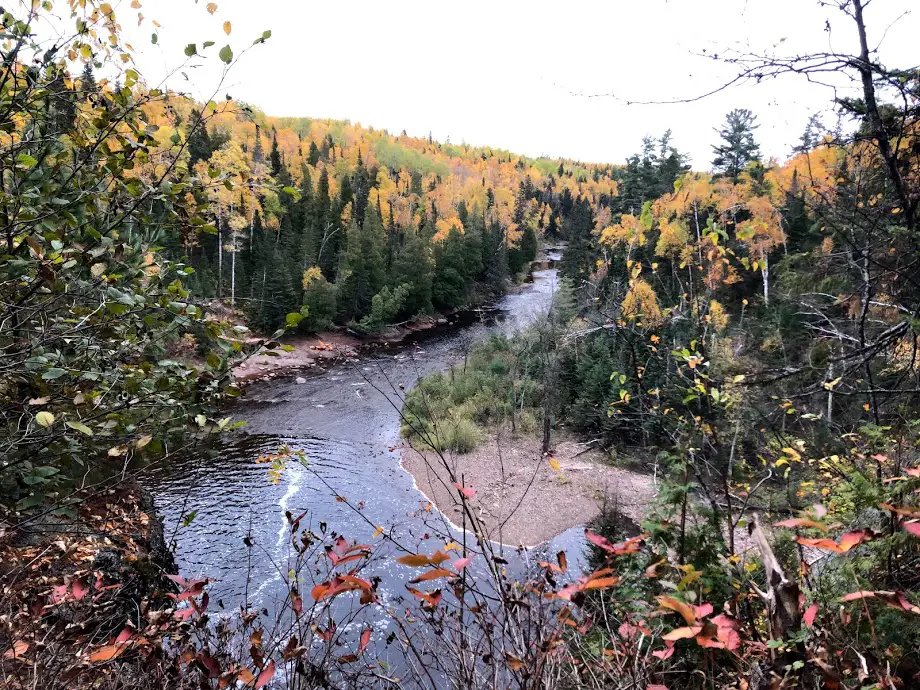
{"x": 346, "y": 420}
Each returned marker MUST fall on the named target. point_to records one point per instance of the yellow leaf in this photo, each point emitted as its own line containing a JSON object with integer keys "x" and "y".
{"x": 143, "y": 441}
{"x": 793, "y": 454}
{"x": 227, "y": 28}
{"x": 212, "y": 7}
{"x": 44, "y": 418}
{"x": 555, "y": 464}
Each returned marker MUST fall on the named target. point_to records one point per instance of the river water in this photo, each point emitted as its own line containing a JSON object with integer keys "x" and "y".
{"x": 346, "y": 421}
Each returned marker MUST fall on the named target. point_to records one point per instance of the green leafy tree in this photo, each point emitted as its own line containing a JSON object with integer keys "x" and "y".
{"x": 96, "y": 321}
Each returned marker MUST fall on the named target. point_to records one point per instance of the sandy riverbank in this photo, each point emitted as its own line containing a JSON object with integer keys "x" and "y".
{"x": 520, "y": 497}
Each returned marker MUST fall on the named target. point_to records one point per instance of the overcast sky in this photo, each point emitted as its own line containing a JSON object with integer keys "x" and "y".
{"x": 518, "y": 75}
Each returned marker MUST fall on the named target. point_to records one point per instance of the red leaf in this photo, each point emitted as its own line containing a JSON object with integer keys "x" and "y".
{"x": 824, "y": 544}
{"x": 432, "y": 575}
{"x": 656, "y": 687}
{"x": 851, "y": 539}
{"x": 702, "y": 611}
{"x": 414, "y": 560}
{"x": 108, "y": 652}
{"x": 79, "y": 589}
{"x": 296, "y": 602}
{"x": 913, "y": 472}
{"x": 18, "y": 649}
{"x": 181, "y": 581}
{"x": 432, "y": 599}
{"x": 266, "y": 675}
{"x": 912, "y": 527}
{"x": 906, "y": 605}
{"x": 364, "y": 641}
{"x": 601, "y": 583}
{"x": 724, "y": 621}
{"x": 185, "y": 613}
{"x": 598, "y": 541}
{"x": 467, "y": 492}
{"x": 210, "y": 664}
{"x": 810, "y": 614}
{"x": 800, "y": 522}
{"x": 125, "y": 635}
{"x": 461, "y": 563}
{"x": 665, "y": 653}
{"x": 853, "y": 596}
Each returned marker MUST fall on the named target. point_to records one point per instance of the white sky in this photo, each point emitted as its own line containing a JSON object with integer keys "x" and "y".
{"x": 517, "y": 75}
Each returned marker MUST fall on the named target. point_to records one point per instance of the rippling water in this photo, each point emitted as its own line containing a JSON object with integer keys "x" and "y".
{"x": 346, "y": 421}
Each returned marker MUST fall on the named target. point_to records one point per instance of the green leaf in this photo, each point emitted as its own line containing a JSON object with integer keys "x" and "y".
{"x": 44, "y": 418}
{"x": 264, "y": 37}
{"x": 293, "y": 319}
{"x": 226, "y": 54}
{"x": 207, "y": 44}
{"x": 26, "y": 161}
{"x": 191, "y": 49}
{"x": 53, "y": 373}
{"x": 82, "y": 428}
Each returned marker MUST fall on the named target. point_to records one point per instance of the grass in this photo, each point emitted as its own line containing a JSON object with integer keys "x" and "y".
{"x": 450, "y": 410}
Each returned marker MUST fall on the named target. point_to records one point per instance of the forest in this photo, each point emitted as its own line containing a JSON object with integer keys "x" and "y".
{"x": 358, "y": 226}
{"x": 742, "y": 332}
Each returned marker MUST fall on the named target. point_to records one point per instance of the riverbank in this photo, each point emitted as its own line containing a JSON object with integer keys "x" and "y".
{"x": 520, "y": 495}
{"x": 306, "y": 353}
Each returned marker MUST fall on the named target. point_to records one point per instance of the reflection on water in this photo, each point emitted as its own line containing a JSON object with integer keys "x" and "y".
{"x": 346, "y": 422}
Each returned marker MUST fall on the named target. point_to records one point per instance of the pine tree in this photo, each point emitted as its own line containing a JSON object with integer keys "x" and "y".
{"x": 361, "y": 271}
{"x": 313, "y": 155}
{"x": 275, "y": 157}
{"x": 414, "y": 265}
{"x": 450, "y": 285}
{"x": 199, "y": 142}
{"x": 88, "y": 85}
{"x": 578, "y": 260}
{"x": 327, "y": 232}
{"x": 738, "y": 147}
{"x": 258, "y": 153}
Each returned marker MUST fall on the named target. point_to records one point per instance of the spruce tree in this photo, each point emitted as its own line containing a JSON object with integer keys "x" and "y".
{"x": 199, "y": 142}
{"x": 88, "y": 85}
{"x": 738, "y": 147}
{"x": 275, "y": 157}
{"x": 361, "y": 270}
{"x": 414, "y": 265}
{"x": 449, "y": 287}
{"x": 258, "y": 153}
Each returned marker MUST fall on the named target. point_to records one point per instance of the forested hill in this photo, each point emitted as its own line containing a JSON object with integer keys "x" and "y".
{"x": 362, "y": 226}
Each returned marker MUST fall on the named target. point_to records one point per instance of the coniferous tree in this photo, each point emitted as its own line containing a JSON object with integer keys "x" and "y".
{"x": 63, "y": 104}
{"x": 414, "y": 266}
{"x": 578, "y": 259}
{"x": 88, "y": 85}
{"x": 361, "y": 271}
{"x": 199, "y": 141}
{"x": 450, "y": 284}
{"x": 275, "y": 157}
{"x": 258, "y": 153}
{"x": 313, "y": 155}
{"x": 738, "y": 147}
